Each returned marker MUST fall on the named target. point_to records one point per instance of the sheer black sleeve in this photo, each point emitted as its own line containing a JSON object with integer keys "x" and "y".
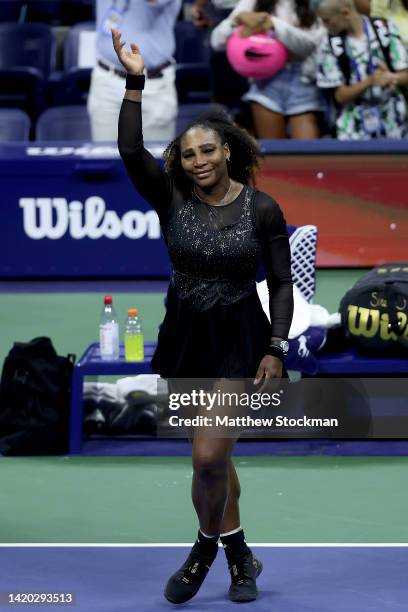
{"x": 271, "y": 226}
{"x": 153, "y": 184}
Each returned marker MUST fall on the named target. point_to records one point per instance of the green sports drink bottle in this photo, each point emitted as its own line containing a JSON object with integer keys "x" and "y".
{"x": 134, "y": 344}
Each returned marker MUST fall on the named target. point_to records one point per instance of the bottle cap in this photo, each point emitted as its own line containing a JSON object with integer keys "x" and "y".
{"x": 108, "y": 299}
{"x": 133, "y": 312}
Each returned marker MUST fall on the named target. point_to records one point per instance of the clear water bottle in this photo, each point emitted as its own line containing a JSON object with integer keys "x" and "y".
{"x": 109, "y": 331}
{"x": 134, "y": 346}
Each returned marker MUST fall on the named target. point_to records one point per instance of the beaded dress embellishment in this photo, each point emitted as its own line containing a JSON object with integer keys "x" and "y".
{"x": 213, "y": 265}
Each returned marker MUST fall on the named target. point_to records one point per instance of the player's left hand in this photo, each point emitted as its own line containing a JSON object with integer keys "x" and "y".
{"x": 269, "y": 369}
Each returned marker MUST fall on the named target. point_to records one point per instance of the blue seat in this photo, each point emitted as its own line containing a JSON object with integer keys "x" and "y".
{"x": 72, "y": 44}
{"x": 193, "y": 83}
{"x": 203, "y": 75}
{"x": 60, "y": 12}
{"x": 192, "y": 44}
{"x": 27, "y": 45}
{"x": 193, "y": 63}
{"x": 72, "y": 85}
{"x": 68, "y": 88}
{"x": 12, "y": 10}
{"x": 14, "y": 125}
{"x": 23, "y": 88}
{"x": 61, "y": 123}
{"x": 53, "y": 12}
{"x": 189, "y": 112}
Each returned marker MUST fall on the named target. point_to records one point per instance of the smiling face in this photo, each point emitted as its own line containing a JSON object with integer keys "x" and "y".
{"x": 203, "y": 156}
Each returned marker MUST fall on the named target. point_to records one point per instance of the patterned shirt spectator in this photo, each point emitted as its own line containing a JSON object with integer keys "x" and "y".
{"x": 378, "y": 111}
{"x": 397, "y": 10}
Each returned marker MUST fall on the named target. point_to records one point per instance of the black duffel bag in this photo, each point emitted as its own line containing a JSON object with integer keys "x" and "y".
{"x": 374, "y": 312}
{"x": 35, "y": 399}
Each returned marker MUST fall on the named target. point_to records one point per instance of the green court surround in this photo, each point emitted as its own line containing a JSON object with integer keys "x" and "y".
{"x": 147, "y": 499}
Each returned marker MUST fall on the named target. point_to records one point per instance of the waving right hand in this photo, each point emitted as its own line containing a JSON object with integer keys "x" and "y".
{"x": 131, "y": 61}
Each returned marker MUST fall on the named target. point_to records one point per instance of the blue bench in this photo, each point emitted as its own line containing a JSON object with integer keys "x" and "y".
{"x": 346, "y": 364}
{"x": 350, "y": 363}
{"x": 91, "y": 364}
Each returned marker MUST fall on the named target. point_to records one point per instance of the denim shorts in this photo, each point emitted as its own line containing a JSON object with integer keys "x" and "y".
{"x": 286, "y": 93}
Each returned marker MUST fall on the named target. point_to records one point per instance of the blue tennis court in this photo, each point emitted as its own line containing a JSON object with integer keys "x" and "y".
{"x": 301, "y": 579}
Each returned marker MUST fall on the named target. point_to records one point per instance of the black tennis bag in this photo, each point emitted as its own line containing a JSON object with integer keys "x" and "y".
{"x": 34, "y": 399}
{"x": 374, "y": 312}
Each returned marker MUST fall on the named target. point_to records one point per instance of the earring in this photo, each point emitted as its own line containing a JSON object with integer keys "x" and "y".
{"x": 228, "y": 159}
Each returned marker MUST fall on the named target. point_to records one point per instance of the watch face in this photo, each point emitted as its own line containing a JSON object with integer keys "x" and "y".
{"x": 284, "y": 346}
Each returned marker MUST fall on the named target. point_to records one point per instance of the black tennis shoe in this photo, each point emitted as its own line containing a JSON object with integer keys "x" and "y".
{"x": 244, "y": 572}
{"x": 186, "y": 582}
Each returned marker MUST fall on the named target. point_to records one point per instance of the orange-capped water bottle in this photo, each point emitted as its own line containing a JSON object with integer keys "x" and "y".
{"x": 134, "y": 344}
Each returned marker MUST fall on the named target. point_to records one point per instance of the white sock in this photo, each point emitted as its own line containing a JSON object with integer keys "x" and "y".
{"x": 230, "y": 532}
{"x": 207, "y": 536}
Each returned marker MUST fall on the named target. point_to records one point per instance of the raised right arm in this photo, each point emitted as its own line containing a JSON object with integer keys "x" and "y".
{"x": 147, "y": 176}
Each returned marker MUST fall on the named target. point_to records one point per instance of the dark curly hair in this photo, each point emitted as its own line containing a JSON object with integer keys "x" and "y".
{"x": 304, "y": 13}
{"x": 244, "y": 150}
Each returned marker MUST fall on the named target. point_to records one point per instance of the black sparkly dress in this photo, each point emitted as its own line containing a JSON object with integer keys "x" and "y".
{"x": 214, "y": 325}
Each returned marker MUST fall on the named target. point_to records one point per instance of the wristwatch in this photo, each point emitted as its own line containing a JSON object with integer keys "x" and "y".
{"x": 280, "y": 346}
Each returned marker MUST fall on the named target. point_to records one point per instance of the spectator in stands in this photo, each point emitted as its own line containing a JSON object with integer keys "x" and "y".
{"x": 364, "y": 68}
{"x": 397, "y": 10}
{"x": 208, "y": 13}
{"x": 152, "y": 23}
{"x": 227, "y": 86}
{"x": 363, "y": 6}
{"x": 291, "y": 95}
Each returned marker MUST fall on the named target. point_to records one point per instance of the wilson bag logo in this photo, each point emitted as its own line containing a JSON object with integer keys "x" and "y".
{"x": 370, "y": 322}
{"x": 374, "y": 312}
